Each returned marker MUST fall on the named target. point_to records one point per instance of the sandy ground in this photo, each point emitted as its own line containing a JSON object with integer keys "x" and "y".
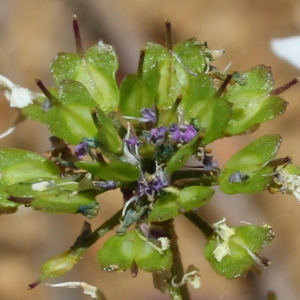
{"x": 32, "y": 32}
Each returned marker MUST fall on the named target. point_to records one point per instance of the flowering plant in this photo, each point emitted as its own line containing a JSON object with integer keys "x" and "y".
{"x": 139, "y": 137}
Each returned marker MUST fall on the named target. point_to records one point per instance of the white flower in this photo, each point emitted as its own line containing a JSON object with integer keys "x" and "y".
{"x": 224, "y": 233}
{"x": 16, "y": 95}
{"x": 191, "y": 276}
{"x": 288, "y": 49}
{"x": 290, "y": 183}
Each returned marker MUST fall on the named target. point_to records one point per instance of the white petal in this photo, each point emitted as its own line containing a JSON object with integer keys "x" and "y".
{"x": 221, "y": 251}
{"x": 19, "y": 97}
{"x": 288, "y": 49}
{"x": 5, "y": 83}
{"x": 42, "y": 186}
{"x": 16, "y": 95}
{"x": 90, "y": 290}
{"x": 20, "y": 118}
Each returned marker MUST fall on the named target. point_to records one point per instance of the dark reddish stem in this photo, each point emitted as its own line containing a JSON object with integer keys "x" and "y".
{"x": 141, "y": 63}
{"x": 78, "y": 41}
{"x": 224, "y": 85}
{"x": 169, "y": 35}
{"x": 34, "y": 284}
{"x": 46, "y": 91}
{"x": 285, "y": 87}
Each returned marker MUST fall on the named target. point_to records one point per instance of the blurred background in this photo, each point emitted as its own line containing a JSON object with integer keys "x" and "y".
{"x": 31, "y": 34}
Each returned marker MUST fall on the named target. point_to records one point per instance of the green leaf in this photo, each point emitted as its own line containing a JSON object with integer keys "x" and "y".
{"x": 63, "y": 202}
{"x": 167, "y": 90}
{"x": 138, "y": 92}
{"x": 71, "y": 119}
{"x": 108, "y": 135}
{"x": 194, "y": 197}
{"x": 116, "y": 170}
{"x": 96, "y": 71}
{"x": 247, "y": 171}
{"x": 165, "y": 208}
{"x": 60, "y": 196}
{"x": 6, "y": 206}
{"x": 183, "y": 154}
{"x": 36, "y": 111}
{"x": 201, "y": 102}
{"x": 252, "y": 102}
{"x": 18, "y": 165}
{"x": 172, "y": 204}
{"x": 191, "y": 56}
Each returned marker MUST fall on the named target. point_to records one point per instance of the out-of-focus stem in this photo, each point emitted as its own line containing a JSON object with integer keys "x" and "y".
{"x": 200, "y": 223}
{"x": 177, "y": 267}
{"x": 84, "y": 242}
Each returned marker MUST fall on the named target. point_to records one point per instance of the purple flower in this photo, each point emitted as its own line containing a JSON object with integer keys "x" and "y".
{"x": 189, "y": 133}
{"x": 151, "y": 185}
{"x": 81, "y": 150}
{"x": 183, "y": 133}
{"x": 143, "y": 188}
{"x": 175, "y": 132}
{"x": 158, "y": 134}
{"x": 158, "y": 183}
{"x": 147, "y": 115}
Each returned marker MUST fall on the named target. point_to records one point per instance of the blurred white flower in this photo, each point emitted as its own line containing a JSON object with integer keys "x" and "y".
{"x": 288, "y": 49}
{"x": 90, "y": 290}
{"x": 18, "y": 97}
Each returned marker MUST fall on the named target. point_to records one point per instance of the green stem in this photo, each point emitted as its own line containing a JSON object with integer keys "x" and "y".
{"x": 84, "y": 241}
{"x": 177, "y": 267}
{"x": 200, "y": 223}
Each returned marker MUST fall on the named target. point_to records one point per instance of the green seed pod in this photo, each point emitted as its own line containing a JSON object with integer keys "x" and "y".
{"x": 233, "y": 251}
{"x": 122, "y": 252}
{"x": 56, "y": 266}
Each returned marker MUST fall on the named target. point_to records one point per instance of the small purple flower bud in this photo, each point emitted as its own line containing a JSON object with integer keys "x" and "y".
{"x": 209, "y": 164}
{"x": 81, "y": 150}
{"x": 133, "y": 141}
{"x": 107, "y": 185}
{"x": 147, "y": 115}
